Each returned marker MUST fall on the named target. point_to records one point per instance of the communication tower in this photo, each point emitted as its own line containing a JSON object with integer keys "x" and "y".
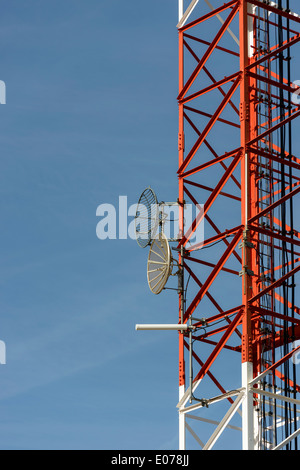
{"x": 238, "y": 323}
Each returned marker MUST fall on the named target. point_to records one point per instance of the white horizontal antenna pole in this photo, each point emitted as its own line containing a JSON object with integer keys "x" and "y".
{"x": 170, "y": 327}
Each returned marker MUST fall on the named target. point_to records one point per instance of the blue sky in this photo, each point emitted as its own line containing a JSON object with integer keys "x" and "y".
{"x": 91, "y": 114}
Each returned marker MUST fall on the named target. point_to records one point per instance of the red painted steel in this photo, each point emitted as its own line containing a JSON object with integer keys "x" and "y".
{"x": 240, "y": 164}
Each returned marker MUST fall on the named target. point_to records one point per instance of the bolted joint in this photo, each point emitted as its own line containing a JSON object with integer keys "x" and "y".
{"x": 246, "y": 271}
{"x": 244, "y": 112}
{"x": 247, "y": 353}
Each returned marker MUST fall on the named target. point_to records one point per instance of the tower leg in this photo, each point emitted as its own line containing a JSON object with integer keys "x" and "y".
{"x": 182, "y": 430}
{"x": 247, "y": 407}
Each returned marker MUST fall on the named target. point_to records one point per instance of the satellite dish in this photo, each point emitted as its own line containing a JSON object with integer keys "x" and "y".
{"x": 160, "y": 263}
{"x": 146, "y": 217}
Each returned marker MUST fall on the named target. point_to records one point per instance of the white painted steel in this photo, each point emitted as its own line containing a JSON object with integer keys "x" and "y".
{"x": 212, "y": 421}
{"x": 247, "y": 408}
{"x": 183, "y": 17}
{"x": 180, "y": 9}
{"x": 192, "y": 432}
{"x": 163, "y": 327}
{"x": 184, "y": 399}
{"x": 222, "y": 21}
{"x": 287, "y": 440}
{"x": 223, "y": 424}
{"x": 187, "y": 13}
{"x": 276, "y": 396}
{"x": 182, "y": 423}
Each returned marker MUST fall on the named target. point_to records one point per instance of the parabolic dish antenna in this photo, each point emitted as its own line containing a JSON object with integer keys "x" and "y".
{"x": 146, "y": 217}
{"x": 160, "y": 263}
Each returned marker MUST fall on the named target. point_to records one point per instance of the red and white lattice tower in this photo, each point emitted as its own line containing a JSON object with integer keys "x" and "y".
{"x": 238, "y": 156}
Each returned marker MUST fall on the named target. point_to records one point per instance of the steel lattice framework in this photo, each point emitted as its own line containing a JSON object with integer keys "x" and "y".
{"x": 236, "y": 158}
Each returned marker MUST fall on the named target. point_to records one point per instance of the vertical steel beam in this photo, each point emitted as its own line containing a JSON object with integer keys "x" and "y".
{"x": 181, "y": 232}
{"x": 246, "y": 206}
{"x": 252, "y": 155}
